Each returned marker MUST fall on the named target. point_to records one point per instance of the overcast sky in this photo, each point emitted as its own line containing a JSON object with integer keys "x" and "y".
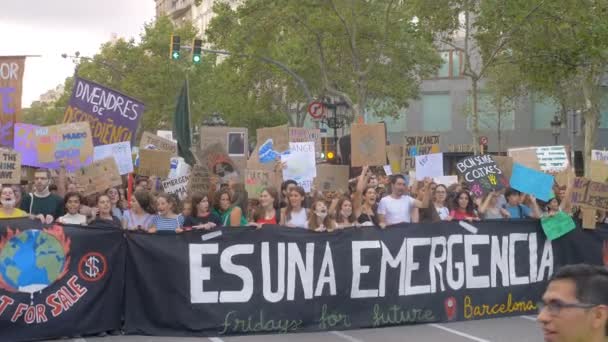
{"x": 52, "y": 27}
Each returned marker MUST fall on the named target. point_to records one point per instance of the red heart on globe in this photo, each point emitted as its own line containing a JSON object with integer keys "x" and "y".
{"x": 450, "y": 308}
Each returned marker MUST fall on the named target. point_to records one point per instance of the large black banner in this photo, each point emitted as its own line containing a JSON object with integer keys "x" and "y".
{"x": 59, "y": 280}
{"x": 244, "y": 281}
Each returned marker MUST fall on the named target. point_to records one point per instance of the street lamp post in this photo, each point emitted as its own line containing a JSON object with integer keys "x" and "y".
{"x": 76, "y": 57}
{"x": 556, "y": 125}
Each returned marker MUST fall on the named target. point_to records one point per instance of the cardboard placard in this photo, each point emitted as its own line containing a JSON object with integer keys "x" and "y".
{"x": 417, "y": 145}
{"x": 70, "y": 143}
{"x": 505, "y": 164}
{"x": 394, "y": 153}
{"x": 98, "y": 176}
{"x": 332, "y": 177}
{"x": 255, "y": 182}
{"x": 11, "y": 83}
{"x": 589, "y": 218}
{"x": 278, "y": 134}
{"x": 10, "y": 167}
{"x": 482, "y": 174}
{"x": 154, "y": 142}
{"x": 525, "y": 156}
{"x": 598, "y": 171}
{"x": 368, "y": 144}
{"x": 564, "y": 178}
{"x": 217, "y": 161}
{"x": 114, "y": 117}
{"x": 299, "y": 134}
{"x": 177, "y": 186}
{"x": 589, "y": 193}
{"x": 199, "y": 179}
{"x": 154, "y": 163}
{"x": 121, "y": 152}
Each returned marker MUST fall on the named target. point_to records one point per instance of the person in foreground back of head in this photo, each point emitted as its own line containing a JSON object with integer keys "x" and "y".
{"x": 42, "y": 204}
{"x": 516, "y": 210}
{"x": 575, "y": 305}
{"x": 397, "y": 207}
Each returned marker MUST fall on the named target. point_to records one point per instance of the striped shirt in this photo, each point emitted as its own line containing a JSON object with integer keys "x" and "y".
{"x": 166, "y": 223}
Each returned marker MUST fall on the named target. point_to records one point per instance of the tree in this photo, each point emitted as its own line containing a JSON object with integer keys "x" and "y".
{"x": 562, "y": 52}
{"x": 354, "y": 50}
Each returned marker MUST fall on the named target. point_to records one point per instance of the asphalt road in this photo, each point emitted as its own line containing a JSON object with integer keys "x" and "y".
{"x": 520, "y": 329}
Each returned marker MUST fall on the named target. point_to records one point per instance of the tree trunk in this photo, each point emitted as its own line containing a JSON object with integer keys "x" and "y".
{"x": 591, "y": 115}
{"x": 475, "y": 116}
{"x": 499, "y": 124}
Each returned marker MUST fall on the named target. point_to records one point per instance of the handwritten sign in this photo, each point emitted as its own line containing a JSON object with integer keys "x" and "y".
{"x": 482, "y": 174}
{"x": 532, "y": 182}
{"x": 154, "y": 163}
{"x": 590, "y": 193}
{"x": 219, "y": 163}
{"x": 394, "y": 153}
{"x": 429, "y": 165}
{"x": 301, "y": 161}
{"x": 552, "y": 158}
{"x": 11, "y": 86}
{"x": 599, "y": 155}
{"x": 98, "y": 176}
{"x": 368, "y": 144}
{"x": 299, "y": 134}
{"x": 557, "y": 225}
{"x": 419, "y": 145}
{"x": 332, "y": 177}
{"x": 598, "y": 171}
{"x": 177, "y": 186}
{"x": 199, "y": 179}
{"x": 121, "y": 152}
{"x": 278, "y": 134}
{"x": 525, "y": 156}
{"x": 154, "y": 142}
{"x": 255, "y": 182}
{"x": 113, "y": 116}
{"x": 70, "y": 143}
{"x": 10, "y": 167}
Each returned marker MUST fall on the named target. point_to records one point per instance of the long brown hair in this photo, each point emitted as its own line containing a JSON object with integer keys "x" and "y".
{"x": 339, "y": 218}
{"x": 289, "y": 208}
{"x": 170, "y": 199}
{"x": 312, "y": 218}
{"x": 197, "y": 198}
{"x": 218, "y": 197}
{"x": 260, "y": 211}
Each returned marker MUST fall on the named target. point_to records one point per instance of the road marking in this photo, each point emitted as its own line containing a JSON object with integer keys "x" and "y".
{"x": 456, "y": 332}
{"x": 215, "y": 339}
{"x": 529, "y": 318}
{"x": 344, "y": 336}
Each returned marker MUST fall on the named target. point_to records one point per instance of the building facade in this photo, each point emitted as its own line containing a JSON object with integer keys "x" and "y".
{"x": 187, "y": 10}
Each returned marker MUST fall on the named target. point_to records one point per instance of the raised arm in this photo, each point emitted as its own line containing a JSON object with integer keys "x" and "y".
{"x": 426, "y": 198}
{"x": 358, "y": 195}
{"x": 486, "y": 203}
{"x": 536, "y": 213}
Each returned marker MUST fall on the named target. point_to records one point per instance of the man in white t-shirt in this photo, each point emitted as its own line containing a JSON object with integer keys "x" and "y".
{"x": 397, "y": 207}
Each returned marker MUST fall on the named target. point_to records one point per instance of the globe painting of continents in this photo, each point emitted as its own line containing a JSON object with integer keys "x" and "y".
{"x": 32, "y": 260}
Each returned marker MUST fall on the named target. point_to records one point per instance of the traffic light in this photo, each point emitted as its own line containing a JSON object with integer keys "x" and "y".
{"x": 196, "y": 51}
{"x": 331, "y": 157}
{"x": 175, "y": 47}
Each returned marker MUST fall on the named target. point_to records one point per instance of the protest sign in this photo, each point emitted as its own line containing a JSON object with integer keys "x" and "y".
{"x": 215, "y": 158}
{"x": 113, "y": 116}
{"x": 301, "y": 161}
{"x": 154, "y": 142}
{"x": 154, "y": 163}
{"x": 598, "y": 171}
{"x": 11, "y": 86}
{"x": 200, "y": 179}
{"x": 368, "y": 144}
{"x": 525, "y": 156}
{"x": 532, "y": 182}
{"x": 67, "y": 143}
{"x": 394, "y": 153}
{"x": 233, "y": 140}
{"x": 445, "y": 180}
{"x": 332, "y": 177}
{"x": 165, "y": 134}
{"x": 599, "y": 155}
{"x": 10, "y": 167}
{"x": 388, "y": 170}
{"x": 429, "y": 165}
{"x": 278, "y": 134}
{"x": 306, "y": 184}
{"x": 557, "y": 225}
{"x": 482, "y": 174}
{"x": 177, "y": 186}
{"x": 98, "y": 176}
{"x": 255, "y": 182}
{"x": 121, "y": 152}
{"x": 299, "y": 134}
{"x": 590, "y": 193}
{"x": 552, "y": 158}
{"x": 505, "y": 164}
{"x": 419, "y": 145}
{"x": 589, "y": 219}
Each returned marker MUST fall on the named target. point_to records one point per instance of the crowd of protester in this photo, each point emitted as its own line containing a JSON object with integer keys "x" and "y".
{"x": 371, "y": 200}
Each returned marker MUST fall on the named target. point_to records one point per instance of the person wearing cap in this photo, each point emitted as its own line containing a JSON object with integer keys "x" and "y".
{"x": 517, "y": 210}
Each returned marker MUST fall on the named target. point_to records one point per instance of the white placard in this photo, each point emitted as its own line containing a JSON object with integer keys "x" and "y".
{"x": 429, "y": 165}
{"x": 300, "y": 162}
{"x": 120, "y": 151}
{"x": 388, "y": 170}
{"x": 599, "y": 155}
{"x": 552, "y": 158}
{"x": 177, "y": 186}
{"x": 446, "y": 180}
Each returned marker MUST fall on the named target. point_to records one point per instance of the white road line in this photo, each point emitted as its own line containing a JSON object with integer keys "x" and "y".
{"x": 529, "y": 318}
{"x": 344, "y": 336}
{"x": 215, "y": 339}
{"x": 456, "y": 332}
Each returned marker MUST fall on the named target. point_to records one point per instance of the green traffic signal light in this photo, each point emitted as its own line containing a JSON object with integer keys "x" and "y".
{"x": 175, "y": 47}
{"x": 196, "y": 59}
{"x": 175, "y": 55}
{"x": 197, "y": 50}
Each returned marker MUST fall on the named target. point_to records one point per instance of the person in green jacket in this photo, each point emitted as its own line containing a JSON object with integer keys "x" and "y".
{"x": 42, "y": 204}
{"x": 230, "y": 214}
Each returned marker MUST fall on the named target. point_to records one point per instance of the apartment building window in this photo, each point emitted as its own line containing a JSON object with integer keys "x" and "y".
{"x": 544, "y": 109}
{"x": 452, "y": 65}
{"x": 489, "y": 117}
{"x": 436, "y": 112}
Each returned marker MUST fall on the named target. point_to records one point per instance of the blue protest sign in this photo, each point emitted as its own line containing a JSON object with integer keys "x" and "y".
{"x": 532, "y": 182}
